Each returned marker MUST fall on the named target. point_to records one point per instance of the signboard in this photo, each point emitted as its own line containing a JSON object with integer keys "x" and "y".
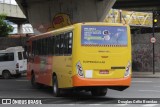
{"x": 153, "y": 40}
{"x": 104, "y": 35}
{"x": 130, "y": 17}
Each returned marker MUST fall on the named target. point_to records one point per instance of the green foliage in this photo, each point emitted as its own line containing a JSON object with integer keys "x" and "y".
{"x": 5, "y": 28}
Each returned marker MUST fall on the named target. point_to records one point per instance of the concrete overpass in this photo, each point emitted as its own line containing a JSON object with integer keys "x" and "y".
{"x": 137, "y": 5}
{"x": 42, "y": 13}
{"x": 13, "y": 12}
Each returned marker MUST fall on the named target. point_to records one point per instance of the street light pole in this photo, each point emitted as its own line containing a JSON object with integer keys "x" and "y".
{"x": 153, "y": 29}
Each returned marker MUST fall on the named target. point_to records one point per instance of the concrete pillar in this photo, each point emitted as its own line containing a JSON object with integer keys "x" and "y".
{"x": 19, "y": 29}
{"x": 41, "y": 13}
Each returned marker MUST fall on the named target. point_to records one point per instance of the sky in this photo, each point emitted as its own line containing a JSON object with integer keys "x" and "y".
{"x": 8, "y": 2}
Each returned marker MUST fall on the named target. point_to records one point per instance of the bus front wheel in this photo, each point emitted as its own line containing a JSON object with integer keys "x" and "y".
{"x": 56, "y": 90}
{"x": 99, "y": 92}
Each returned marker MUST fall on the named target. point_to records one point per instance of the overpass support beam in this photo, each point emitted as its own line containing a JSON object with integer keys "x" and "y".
{"x": 20, "y": 29}
{"x": 41, "y": 13}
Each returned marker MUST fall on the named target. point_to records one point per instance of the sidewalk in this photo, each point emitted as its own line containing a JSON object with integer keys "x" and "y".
{"x": 136, "y": 74}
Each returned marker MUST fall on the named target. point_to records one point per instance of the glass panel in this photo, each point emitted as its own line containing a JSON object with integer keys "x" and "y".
{"x": 20, "y": 56}
{"x": 6, "y": 57}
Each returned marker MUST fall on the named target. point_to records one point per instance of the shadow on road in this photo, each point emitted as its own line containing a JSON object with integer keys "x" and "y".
{"x": 73, "y": 96}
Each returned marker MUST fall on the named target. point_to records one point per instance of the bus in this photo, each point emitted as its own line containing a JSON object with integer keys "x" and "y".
{"x": 91, "y": 56}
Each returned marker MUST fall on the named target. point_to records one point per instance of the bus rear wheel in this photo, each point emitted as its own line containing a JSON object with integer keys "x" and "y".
{"x": 6, "y": 74}
{"x": 99, "y": 92}
{"x": 56, "y": 90}
{"x": 34, "y": 83}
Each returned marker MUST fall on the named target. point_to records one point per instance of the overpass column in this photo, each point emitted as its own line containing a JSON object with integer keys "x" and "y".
{"x": 20, "y": 28}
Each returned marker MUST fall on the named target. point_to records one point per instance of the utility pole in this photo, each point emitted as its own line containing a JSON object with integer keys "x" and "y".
{"x": 153, "y": 30}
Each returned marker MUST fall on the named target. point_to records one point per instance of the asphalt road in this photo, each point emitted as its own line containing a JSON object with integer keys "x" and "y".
{"x": 146, "y": 88}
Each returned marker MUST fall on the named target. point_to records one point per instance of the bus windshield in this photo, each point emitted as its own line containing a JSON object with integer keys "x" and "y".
{"x": 104, "y": 35}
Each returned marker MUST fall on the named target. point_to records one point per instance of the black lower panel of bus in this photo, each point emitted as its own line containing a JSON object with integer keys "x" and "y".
{"x": 119, "y": 88}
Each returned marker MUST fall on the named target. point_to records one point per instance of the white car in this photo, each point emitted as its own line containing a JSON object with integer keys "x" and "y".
{"x": 12, "y": 62}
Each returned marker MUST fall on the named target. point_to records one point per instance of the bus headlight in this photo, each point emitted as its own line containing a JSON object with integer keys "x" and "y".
{"x": 79, "y": 69}
{"x": 128, "y": 70}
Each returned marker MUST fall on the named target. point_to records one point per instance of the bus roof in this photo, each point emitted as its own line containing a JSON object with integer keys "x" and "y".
{"x": 56, "y": 31}
{"x": 52, "y": 32}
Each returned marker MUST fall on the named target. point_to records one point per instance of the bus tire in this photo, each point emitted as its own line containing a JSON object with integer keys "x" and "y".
{"x": 34, "y": 83}
{"x": 99, "y": 92}
{"x": 6, "y": 74}
{"x": 56, "y": 90}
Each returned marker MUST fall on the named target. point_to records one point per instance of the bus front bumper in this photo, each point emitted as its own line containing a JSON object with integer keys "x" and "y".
{"x": 78, "y": 81}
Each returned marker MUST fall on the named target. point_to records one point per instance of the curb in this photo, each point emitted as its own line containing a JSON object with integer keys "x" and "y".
{"x": 145, "y": 75}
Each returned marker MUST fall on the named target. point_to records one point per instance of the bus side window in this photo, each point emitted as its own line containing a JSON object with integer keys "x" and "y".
{"x": 57, "y": 40}
{"x": 36, "y": 50}
{"x": 28, "y": 51}
{"x": 45, "y": 46}
{"x": 70, "y": 43}
{"x": 39, "y": 47}
{"x": 48, "y": 46}
{"x": 66, "y": 43}
{"x": 33, "y": 47}
{"x": 52, "y": 44}
{"x": 61, "y": 44}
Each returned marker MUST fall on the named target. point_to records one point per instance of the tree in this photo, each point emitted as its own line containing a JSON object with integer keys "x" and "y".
{"x": 5, "y": 28}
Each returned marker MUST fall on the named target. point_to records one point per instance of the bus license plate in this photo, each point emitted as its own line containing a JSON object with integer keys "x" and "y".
{"x": 103, "y": 72}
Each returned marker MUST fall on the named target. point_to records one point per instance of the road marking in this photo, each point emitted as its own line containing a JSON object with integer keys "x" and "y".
{"x": 22, "y": 80}
{"x": 95, "y": 104}
{"x": 26, "y": 89}
{"x": 156, "y": 86}
{"x": 143, "y": 81}
{"x": 122, "y": 104}
{"x": 70, "y": 104}
{"x": 150, "y": 105}
{"x": 150, "y": 90}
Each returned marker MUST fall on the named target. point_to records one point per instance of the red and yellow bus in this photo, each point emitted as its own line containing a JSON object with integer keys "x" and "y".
{"x": 88, "y": 56}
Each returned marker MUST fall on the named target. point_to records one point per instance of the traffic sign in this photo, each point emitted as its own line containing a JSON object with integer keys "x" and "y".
{"x": 153, "y": 39}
